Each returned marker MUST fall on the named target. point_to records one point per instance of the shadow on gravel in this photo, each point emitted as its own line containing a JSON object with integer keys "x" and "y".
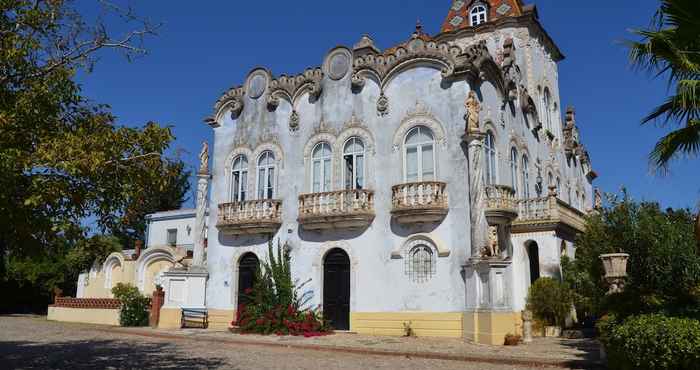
{"x": 101, "y": 354}
{"x": 589, "y": 357}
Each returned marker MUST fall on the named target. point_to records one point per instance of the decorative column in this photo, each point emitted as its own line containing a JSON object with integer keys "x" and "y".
{"x": 474, "y": 137}
{"x": 200, "y": 220}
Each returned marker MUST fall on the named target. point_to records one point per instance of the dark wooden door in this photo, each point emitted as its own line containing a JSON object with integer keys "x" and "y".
{"x": 336, "y": 289}
{"x": 533, "y": 252}
{"x": 247, "y": 270}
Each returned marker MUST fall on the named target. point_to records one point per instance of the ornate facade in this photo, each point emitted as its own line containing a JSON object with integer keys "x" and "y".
{"x": 430, "y": 182}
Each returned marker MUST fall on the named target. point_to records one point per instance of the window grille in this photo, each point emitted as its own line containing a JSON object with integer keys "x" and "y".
{"x": 419, "y": 264}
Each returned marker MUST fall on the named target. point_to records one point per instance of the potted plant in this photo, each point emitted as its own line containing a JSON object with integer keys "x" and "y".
{"x": 550, "y": 302}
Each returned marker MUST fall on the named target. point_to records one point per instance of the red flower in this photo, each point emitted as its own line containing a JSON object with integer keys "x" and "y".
{"x": 248, "y": 291}
{"x": 260, "y": 321}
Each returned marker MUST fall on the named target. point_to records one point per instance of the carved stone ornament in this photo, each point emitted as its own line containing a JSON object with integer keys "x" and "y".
{"x": 233, "y": 100}
{"x": 292, "y": 88}
{"x": 473, "y": 110}
{"x": 204, "y": 158}
{"x": 338, "y": 63}
{"x": 294, "y": 121}
{"x": 382, "y": 105}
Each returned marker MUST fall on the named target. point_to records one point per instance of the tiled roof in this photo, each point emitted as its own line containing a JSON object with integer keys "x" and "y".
{"x": 458, "y": 16}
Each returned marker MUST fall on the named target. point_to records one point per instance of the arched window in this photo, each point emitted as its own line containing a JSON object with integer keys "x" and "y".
{"x": 239, "y": 179}
{"x": 321, "y": 168}
{"x": 266, "y": 175}
{"x": 547, "y": 110}
{"x": 420, "y": 263}
{"x": 558, "y": 186}
{"x": 550, "y": 179}
{"x": 526, "y": 177}
{"x": 419, "y": 155}
{"x": 478, "y": 15}
{"x": 577, "y": 200}
{"x": 514, "y": 169}
{"x": 354, "y": 158}
{"x": 490, "y": 156}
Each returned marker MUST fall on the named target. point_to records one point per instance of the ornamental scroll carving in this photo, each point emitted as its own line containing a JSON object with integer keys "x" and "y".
{"x": 292, "y": 88}
{"x": 232, "y": 99}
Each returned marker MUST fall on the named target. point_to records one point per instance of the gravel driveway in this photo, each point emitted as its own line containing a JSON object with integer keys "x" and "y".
{"x": 29, "y": 342}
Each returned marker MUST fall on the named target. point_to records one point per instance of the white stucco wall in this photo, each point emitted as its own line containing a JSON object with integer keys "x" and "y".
{"x": 160, "y": 223}
{"x": 378, "y": 281}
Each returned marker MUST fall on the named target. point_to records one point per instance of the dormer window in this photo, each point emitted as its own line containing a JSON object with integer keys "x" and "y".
{"x": 478, "y": 15}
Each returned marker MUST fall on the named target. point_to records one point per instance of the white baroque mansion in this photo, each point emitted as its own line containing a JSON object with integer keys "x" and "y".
{"x": 430, "y": 183}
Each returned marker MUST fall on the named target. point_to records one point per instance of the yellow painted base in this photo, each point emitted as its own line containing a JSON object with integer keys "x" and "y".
{"x": 424, "y": 324}
{"x": 220, "y": 319}
{"x": 83, "y": 315}
{"x": 169, "y": 318}
{"x": 491, "y": 327}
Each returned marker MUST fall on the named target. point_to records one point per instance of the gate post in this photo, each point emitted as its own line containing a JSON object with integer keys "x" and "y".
{"x": 156, "y": 303}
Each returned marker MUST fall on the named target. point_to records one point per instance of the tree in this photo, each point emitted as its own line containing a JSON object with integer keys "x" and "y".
{"x": 663, "y": 268}
{"x": 63, "y": 158}
{"x": 671, "y": 48}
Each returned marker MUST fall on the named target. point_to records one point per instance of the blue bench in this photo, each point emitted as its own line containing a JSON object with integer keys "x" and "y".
{"x": 194, "y": 318}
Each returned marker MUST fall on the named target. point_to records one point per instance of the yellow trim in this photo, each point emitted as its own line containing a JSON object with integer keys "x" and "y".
{"x": 424, "y": 324}
{"x": 169, "y": 318}
{"x": 220, "y": 319}
{"x": 84, "y": 315}
{"x": 491, "y": 327}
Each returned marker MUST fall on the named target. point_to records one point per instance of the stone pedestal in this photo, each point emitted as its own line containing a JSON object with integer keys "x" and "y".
{"x": 185, "y": 288}
{"x": 489, "y": 312}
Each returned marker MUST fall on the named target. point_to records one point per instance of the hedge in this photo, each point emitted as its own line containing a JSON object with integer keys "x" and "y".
{"x": 652, "y": 342}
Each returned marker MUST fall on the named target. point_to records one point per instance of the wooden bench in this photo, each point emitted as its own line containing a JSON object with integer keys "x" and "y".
{"x": 194, "y": 318}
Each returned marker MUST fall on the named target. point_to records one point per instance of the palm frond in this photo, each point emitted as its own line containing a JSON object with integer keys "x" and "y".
{"x": 682, "y": 107}
{"x": 684, "y": 141}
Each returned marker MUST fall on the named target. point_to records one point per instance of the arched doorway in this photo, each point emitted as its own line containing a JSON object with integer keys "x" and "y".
{"x": 336, "y": 289}
{"x": 533, "y": 254}
{"x": 247, "y": 270}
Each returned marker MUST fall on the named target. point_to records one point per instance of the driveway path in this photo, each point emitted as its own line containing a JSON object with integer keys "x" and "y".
{"x": 30, "y": 342}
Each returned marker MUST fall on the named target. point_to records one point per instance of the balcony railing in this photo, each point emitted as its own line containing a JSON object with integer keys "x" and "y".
{"x": 250, "y": 217}
{"x": 419, "y": 202}
{"x": 547, "y": 213}
{"x": 501, "y": 206}
{"x": 349, "y": 209}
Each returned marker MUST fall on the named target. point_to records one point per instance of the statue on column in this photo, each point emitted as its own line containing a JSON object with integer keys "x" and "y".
{"x": 598, "y": 200}
{"x": 204, "y": 158}
{"x": 473, "y": 110}
{"x": 492, "y": 250}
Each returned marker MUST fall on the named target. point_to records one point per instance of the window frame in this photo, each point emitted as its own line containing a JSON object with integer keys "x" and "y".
{"x": 323, "y": 175}
{"x": 525, "y": 169}
{"x": 355, "y": 155}
{"x": 478, "y": 14}
{"x": 491, "y": 159}
{"x": 514, "y": 172}
{"x": 168, "y": 233}
{"x": 416, "y": 270}
{"x": 240, "y": 194}
{"x": 419, "y": 154}
{"x": 271, "y": 179}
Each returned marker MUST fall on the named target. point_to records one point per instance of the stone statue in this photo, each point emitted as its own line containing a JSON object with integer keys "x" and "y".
{"x": 598, "y": 200}
{"x": 492, "y": 250}
{"x": 472, "y": 118}
{"x": 204, "y": 158}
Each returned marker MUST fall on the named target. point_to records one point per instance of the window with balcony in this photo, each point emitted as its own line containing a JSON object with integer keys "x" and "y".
{"x": 354, "y": 161}
{"x": 239, "y": 179}
{"x": 490, "y": 156}
{"x": 478, "y": 15}
{"x": 419, "y": 154}
{"x": 514, "y": 169}
{"x": 266, "y": 175}
{"x": 526, "y": 177}
{"x": 321, "y": 168}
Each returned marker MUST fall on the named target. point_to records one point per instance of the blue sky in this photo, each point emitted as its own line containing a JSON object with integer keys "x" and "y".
{"x": 203, "y": 49}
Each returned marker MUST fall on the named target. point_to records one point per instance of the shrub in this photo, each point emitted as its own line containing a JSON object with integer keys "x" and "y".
{"x": 549, "y": 301}
{"x": 274, "y": 307}
{"x": 652, "y": 342}
{"x": 134, "y": 306}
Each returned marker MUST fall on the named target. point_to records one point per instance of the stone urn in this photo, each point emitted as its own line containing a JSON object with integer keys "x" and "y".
{"x": 615, "y": 265}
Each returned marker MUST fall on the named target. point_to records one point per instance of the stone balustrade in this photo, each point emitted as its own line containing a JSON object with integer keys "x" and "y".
{"x": 501, "y": 205}
{"x": 250, "y": 217}
{"x": 547, "y": 213}
{"x": 419, "y": 202}
{"x": 348, "y": 209}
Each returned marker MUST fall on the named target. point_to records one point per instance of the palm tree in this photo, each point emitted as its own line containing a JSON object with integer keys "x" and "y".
{"x": 670, "y": 48}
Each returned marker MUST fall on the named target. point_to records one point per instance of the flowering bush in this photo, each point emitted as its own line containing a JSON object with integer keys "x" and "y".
{"x": 273, "y": 306}
{"x": 134, "y": 305}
